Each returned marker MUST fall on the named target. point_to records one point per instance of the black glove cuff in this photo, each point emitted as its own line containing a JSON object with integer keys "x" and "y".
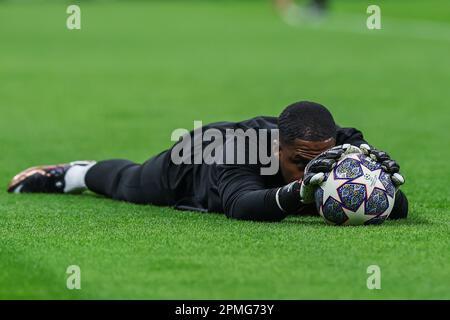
{"x": 288, "y": 197}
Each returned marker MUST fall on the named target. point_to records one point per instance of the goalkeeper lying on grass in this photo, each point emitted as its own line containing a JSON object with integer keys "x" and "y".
{"x": 307, "y": 144}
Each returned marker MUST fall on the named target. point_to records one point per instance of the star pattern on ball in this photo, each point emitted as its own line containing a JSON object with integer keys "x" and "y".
{"x": 356, "y": 217}
{"x": 371, "y": 179}
{"x": 333, "y": 191}
{"x": 359, "y": 200}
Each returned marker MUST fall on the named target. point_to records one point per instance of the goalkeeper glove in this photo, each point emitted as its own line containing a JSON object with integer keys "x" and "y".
{"x": 317, "y": 168}
{"x": 388, "y": 165}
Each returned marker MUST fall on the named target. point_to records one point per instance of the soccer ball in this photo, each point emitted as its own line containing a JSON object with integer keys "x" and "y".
{"x": 356, "y": 192}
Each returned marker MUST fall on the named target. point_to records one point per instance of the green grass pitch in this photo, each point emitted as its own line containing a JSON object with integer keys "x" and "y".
{"x": 137, "y": 70}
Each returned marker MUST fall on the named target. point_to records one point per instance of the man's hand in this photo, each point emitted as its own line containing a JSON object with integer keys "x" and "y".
{"x": 317, "y": 168}
{"x": 388, "y": 165}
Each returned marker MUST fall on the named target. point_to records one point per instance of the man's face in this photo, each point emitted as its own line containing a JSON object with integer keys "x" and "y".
{"x": 294, "y": 157}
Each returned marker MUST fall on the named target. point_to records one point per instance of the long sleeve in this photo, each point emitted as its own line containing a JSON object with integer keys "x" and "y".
{"x": 244, "y": 196}
{"x": 400, "y": 209}
{"x": 349, "y": 135}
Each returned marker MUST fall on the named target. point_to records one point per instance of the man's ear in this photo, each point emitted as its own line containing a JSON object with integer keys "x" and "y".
{"x": 276, "y": 148}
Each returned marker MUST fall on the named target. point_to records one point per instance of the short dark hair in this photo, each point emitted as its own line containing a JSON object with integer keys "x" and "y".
{"x": 306, "y": 120}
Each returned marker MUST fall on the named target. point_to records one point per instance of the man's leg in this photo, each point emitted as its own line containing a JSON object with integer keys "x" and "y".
{"x": 60, "y": 178}
{"x": 116, "y": 179}
{"x": 127, "y": 181}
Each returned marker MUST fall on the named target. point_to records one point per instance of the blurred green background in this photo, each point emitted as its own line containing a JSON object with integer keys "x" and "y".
{"x": 137, "y": 70}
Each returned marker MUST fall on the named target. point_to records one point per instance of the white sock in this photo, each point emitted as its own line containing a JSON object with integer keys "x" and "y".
{"x": 74, "y": 178}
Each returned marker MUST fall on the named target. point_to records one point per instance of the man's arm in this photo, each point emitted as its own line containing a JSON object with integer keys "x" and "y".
{"x": 245, "y": 197}
{"x": 400, "y": 209}
{"x": 349, "y": 135}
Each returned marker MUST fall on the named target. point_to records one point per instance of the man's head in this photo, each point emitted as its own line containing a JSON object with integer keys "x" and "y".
{"x": 306, "y": 130}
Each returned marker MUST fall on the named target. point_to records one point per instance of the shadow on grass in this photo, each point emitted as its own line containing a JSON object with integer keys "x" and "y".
{"x": 305, "y": 220}
{"x": 317, "y": 221}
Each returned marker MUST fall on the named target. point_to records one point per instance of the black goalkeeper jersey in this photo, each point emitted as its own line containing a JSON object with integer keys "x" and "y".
{"x": 238, "y": 190}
